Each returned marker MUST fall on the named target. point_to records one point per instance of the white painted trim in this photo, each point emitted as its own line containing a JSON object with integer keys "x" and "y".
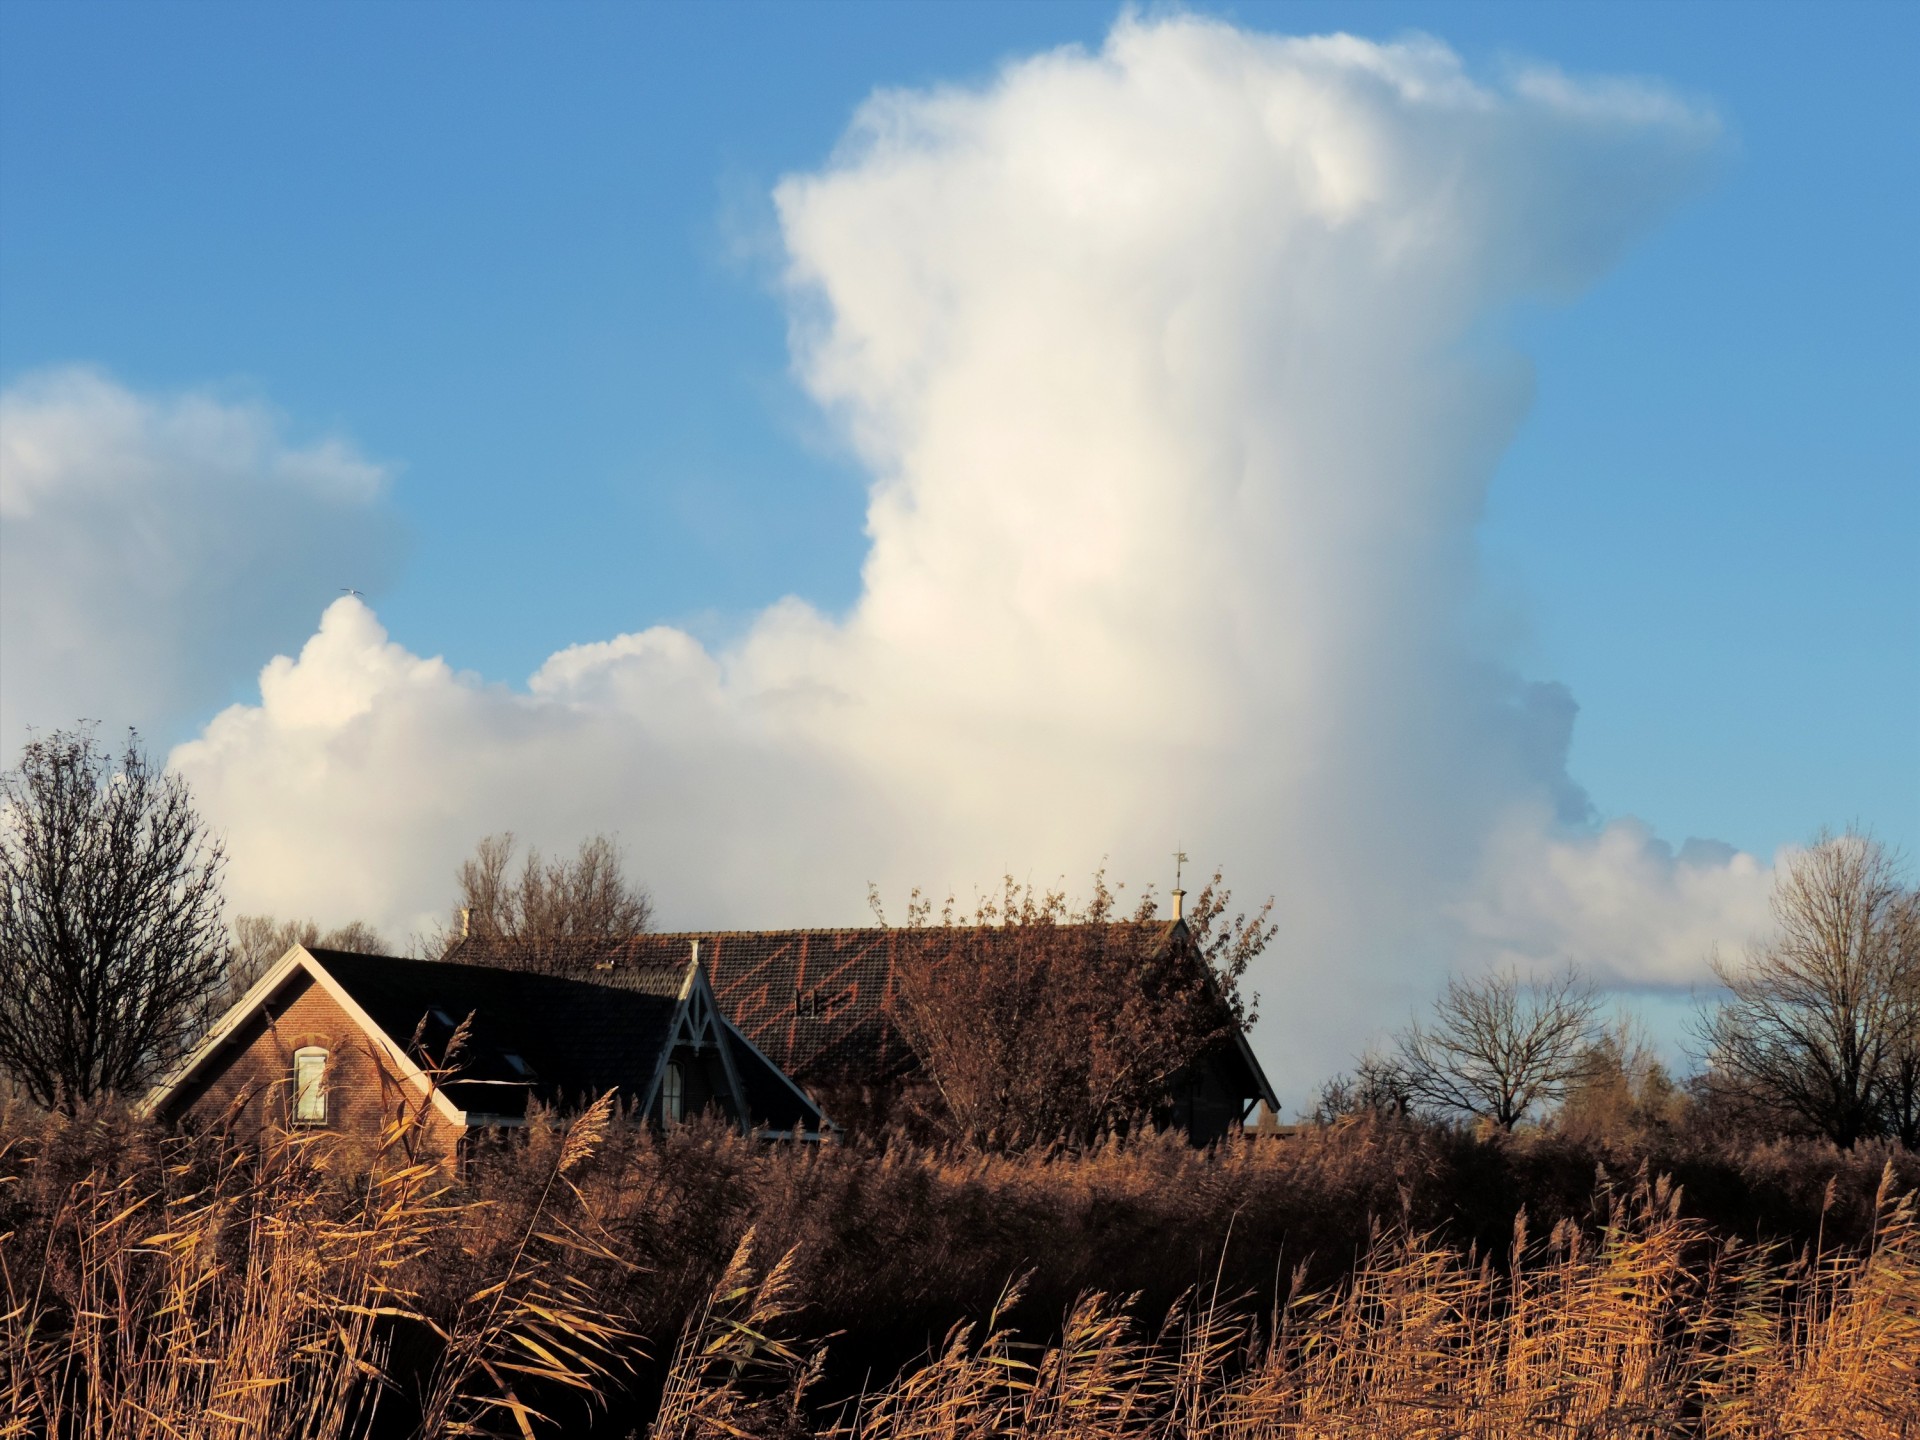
{"x": 241, "y": 1011}
{"x": 694, "y": 986}
{"x": 262, "y": 990}
{"x": 785, "y": 1079}
{"x": 720, "y": 1028}
{"x": 674, "y": 1027}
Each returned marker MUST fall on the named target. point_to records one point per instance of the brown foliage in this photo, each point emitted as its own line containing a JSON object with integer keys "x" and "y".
{"x": 1643, "y": 1328}
{"x": 219, "y": 1288}
{"x": 1040, "y": 1023}
{"x": 1620, "y": 1092}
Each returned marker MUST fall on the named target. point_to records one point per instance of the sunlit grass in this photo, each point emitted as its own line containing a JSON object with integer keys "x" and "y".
{"x": 307, "y": 1285}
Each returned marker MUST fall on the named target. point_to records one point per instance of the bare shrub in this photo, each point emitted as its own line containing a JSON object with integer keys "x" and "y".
{"x": 1039, "y": 1023}
{"x": 1621, "y": 1093}
{"x": 1376, "y": 1089}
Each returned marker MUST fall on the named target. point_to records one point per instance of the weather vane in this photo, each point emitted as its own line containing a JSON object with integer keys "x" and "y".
{"x": 1179, "y": 863}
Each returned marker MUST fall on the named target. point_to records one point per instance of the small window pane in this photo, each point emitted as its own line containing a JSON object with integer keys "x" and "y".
{"x": 673, "y": 1096}
{"x": 309, "y": 1087}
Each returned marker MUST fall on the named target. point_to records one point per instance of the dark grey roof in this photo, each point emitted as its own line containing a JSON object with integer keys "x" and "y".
{"x": 573, "y": 1040}
{"x": 818, "y": 1002}
{"x": 821, "y": 1003}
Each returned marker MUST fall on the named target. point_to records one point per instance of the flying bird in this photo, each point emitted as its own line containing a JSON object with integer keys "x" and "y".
{"x": 349, "y": 590}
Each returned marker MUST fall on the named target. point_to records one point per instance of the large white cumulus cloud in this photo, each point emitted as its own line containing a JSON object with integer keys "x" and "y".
{"x": 153, "y": 548}
{"x": 1175, "y": 367}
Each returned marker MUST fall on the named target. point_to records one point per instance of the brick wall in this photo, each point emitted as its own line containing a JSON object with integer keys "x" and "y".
{"x": 252, "y": 1076}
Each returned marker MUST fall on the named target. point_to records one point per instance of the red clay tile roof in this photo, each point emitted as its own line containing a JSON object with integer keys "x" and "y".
{"x": 818, "y": 1002}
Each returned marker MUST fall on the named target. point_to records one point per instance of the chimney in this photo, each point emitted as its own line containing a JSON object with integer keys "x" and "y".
{"x": 1179, "y": 901}
{"x": 466, "y": 921}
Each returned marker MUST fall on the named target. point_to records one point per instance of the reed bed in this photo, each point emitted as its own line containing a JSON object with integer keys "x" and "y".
{"x": 297, "y": 1285}
{"x": 1647, "y": 1328}
{"x": 277, "y": 1286}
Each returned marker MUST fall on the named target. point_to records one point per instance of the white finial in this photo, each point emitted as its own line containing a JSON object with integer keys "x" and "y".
{"x": 1179, "y": 895}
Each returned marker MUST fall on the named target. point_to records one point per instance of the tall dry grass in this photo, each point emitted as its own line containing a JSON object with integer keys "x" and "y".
{"x": 276, "y": 1285}
{"x": 300, "y": 1286}
{"x": 1648, "y": 1328}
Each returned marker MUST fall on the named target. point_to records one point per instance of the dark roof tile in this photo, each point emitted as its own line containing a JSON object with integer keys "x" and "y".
{"x": 818, "y": 1002}
{"x": 578, "y": 1039}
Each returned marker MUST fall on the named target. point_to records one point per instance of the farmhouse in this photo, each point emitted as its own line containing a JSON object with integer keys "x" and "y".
{"x": 821, "y": 1005}
{"x": 352, "y": 1042}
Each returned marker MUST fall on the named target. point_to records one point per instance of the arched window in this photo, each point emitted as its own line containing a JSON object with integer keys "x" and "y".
{"x": 673, "y": 1095}
{"x": 310, "y": 1085}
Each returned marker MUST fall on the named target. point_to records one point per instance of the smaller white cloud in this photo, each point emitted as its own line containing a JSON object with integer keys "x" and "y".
{"x": 153, "y": 547}
{"x": 1617, "y": 903}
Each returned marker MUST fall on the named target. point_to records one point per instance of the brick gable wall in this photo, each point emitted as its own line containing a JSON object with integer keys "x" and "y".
{"x": 252, "y": 1076}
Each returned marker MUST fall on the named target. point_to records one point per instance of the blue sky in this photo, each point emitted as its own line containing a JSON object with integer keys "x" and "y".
{"x": 519, "y": 250}
{"x": 527, "y": 257}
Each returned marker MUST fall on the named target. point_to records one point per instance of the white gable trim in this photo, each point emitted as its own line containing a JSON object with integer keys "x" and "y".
{"x": 697, "y": 1020}
{"x": 734, "y": 1033}
{"x": 256, "y": 998}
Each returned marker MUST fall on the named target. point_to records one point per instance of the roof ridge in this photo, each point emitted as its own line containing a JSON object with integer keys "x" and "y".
{"x": 778, "y": 930}
{"x": 655, "y": 935}
{"x": 490, "y": 971}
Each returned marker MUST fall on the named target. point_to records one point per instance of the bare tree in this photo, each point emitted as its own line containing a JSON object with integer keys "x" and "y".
{"x": 1376, "y": 1089}
{"x": 1900, "y": 1091}
{"x": 112, "y": 944}
{"x": 260, "y": 940}
{"x": 547, "y": 915}
{"x": 1817, "y": 1029}
{"x": 1496, "y": 1048}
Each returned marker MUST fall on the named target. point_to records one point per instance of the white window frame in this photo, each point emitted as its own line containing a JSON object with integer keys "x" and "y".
{"x": 310, "y": 1096}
